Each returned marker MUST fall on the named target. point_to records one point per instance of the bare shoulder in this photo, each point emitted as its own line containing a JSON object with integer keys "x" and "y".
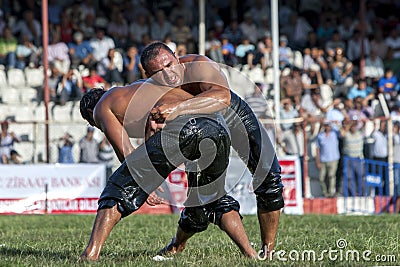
{"x": 193, "y": 58}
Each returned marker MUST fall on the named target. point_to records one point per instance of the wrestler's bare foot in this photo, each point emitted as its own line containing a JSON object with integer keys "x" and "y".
{"x": 172, "y": 248}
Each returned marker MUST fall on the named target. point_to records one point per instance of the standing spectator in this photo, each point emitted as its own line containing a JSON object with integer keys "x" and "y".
{"x": 336, "y": 114}
{"x": 327, "y": 159}
{"x": 8, "y": 47}
{"x": 160, "y": 27}
{"x": 292, "y": 142}
{"x": 7, "y": 140}
{"x": 65, "y": 146}
{"x": 358, "y": 112}
{"x": 380, "y": 150}
{"x": 57, "y": 53}
{"x": 353, "y": 144}
{"x": 27, "y": 53}
{"x": 89, "y": 147}
{"x": 101, "y": 44}
{"x": 132, "y": 68}
{"x": 80, "y": 51}
{"x": 396, "y": 160}
{"x": 106, "y": 155}
{"x": 30, "y": 27}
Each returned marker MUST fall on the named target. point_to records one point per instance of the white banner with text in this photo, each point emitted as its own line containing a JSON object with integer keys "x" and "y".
{"x": 56, "y": 188}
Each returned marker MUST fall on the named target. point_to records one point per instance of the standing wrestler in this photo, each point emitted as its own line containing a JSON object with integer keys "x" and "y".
{"x": 123, "y": 112}
{"x": 249, "y": 138}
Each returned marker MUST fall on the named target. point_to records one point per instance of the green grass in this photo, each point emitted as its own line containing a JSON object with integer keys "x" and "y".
{"x": 58, "y": 240}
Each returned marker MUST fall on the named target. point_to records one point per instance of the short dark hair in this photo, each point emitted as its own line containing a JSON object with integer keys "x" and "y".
{"x": 151, "y": 51}
{"x": 89, "y": 101}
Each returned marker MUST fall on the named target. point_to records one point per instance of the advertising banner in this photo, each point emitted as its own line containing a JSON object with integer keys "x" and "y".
{"x": 57, "y": 188}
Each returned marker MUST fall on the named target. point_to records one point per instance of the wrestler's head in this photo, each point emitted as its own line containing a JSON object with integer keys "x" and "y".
{"x": 88, "y": 102}
{"x": 162, "y": 65}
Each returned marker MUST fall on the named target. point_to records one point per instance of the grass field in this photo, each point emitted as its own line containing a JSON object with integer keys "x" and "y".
{"x": 58, "y": 240}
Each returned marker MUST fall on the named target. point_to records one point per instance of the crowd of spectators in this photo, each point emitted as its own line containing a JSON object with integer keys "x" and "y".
{"x": 328, "y": 77}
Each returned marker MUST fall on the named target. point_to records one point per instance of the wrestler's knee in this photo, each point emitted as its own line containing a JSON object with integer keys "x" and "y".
{"x": 193, "y": 220}
{"x": 269, "y": 193}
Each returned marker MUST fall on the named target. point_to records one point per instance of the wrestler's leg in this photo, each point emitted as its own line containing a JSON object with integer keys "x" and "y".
{"x": 231, "y": 224}
{"x": 105, "y": 220}
{"x": 269, "y": 221}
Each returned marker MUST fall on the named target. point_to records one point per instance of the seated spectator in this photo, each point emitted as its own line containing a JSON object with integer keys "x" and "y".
{"x": 80, "y": 51}
{"x": 29, "y": 27}
{"x": 132, "y": 68}
{"x": 27, "y": 53}
{"x": 181, "y": 33}
{"x": 359, "y": 113}
{"x": 101, "y": 44}
{"x": 57, "y": 53}
{"x": 137, "y": 28}
{"x": 388, "y": 85}
{"x": 249, "y": 28}
{"x": 14, "y": 158}
{"x": 312, "y": 40}
{"x": 325, "y": 30}
{"x": 67, "y": 27}
{"x": 111, "y": 67}
{"x": 292, "y": 86}
{"x": 395, "y": 113}
{"x": 360, "y": 89}
{"x": 160, "y": 26}
{"x": 393, "y": 43}
{"x": 296, "y": 31}
{"x": 94, "y": 80}
{"x": 257, "y": 101}
{"x": 285, "y": 53}
{"x": 264, "y": 46}
{"x": 87, "y": 27}
{"x": 288, "y": 112}
{"x": 346, "y": 27}
{"x": 233, "y": 33}
{"x": 335, "y": 42}
{"x": 71, "y": 88}
{"x": 89, "y": 147}
{"x": 342, "y": 74}
{"x": 228, "y": 51}
{"x": 374, "y": 68}
{"x": 378, "y": 44}
{"x": 264, "y": 28}
{"x": 168, "y": 41}
{"x": 354, "y": 48}
{"x": 243, "y": 49}
{"x": 7, "y": 140}
{"x": 65, "y": 147}
{"x": 312, "y": 105}
{"x": 8, "y": 47}
{"x": 181, "y": 50}
{"x": 213, "y": 47}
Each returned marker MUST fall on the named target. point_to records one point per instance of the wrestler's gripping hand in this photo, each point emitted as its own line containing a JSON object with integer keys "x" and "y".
{"x": 154, "y": 200}
{"x": 164, "y": 112}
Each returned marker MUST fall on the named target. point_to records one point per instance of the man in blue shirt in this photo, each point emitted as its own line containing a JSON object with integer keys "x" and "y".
{"x": 80, "y": 51}
{"x": 327, "y": 159}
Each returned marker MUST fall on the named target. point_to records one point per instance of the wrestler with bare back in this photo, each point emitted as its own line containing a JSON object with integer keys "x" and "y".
{"x": 123, "y": 112}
